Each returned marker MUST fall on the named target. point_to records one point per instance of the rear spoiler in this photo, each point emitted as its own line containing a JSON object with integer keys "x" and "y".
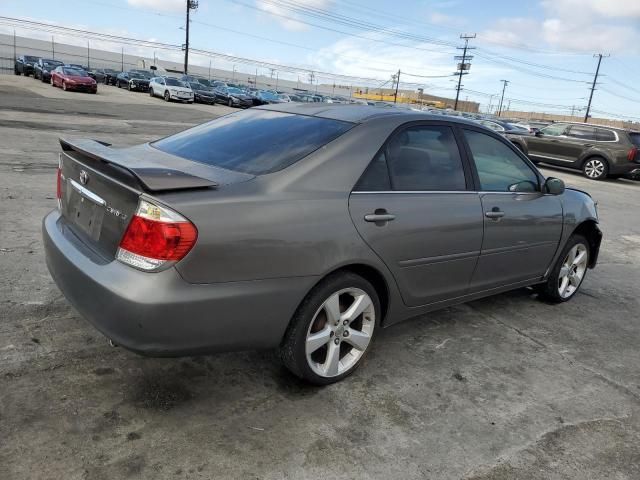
{"x": 153, "y": 176}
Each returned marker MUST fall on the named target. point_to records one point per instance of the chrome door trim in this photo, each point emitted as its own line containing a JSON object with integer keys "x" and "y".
{"x": 85, "y": 192}
{"x": 550, "y": 158}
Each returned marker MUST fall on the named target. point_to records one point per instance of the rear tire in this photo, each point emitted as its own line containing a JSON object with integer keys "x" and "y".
{"x": 595, "y": 168}
{"x": 151, "y": 92}
{"x": 568, "y": 273}
{"x": 342, "y": 311}
{"x": 16, "y": 72}
{"x": 230, "y": 103}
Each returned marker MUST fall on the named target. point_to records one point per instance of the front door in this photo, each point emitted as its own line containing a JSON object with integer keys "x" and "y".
{"x": 413, "y": 208}
{"x": 547, "y": 145}
{"x": 522, "y": 226}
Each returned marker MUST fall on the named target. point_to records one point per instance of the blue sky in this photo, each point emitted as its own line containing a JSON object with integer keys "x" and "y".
{"x": 543, "y": 47}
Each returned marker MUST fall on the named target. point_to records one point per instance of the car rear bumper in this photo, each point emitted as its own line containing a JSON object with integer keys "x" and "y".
{"x": 160, "y": 314}
{"x": 629, "y": 168}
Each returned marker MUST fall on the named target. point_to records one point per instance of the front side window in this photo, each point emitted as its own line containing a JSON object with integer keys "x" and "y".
{"x": 582, "y": 132}
{"x": 554, "y": 130}
{"x": 499, "y": 168}
{"x": 254, "y": 141}
{"x": 420, "y": 158}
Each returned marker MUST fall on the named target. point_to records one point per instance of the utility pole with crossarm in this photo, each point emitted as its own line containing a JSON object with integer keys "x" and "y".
{"x": 463, "y": 66}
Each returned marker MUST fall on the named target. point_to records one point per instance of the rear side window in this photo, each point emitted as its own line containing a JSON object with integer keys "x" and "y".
{"x": 254, "y": 141}
{"x": 421, "y": 158}
{"x": 583, "y": 133}
{"x": 605, "y": 135}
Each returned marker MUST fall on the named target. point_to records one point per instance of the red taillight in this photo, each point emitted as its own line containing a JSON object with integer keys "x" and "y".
{"x": 59, "y": 185}
{"x": 155, "y": 236}
{"x": 59, "y": 180}
{"x": 631, "y": 156}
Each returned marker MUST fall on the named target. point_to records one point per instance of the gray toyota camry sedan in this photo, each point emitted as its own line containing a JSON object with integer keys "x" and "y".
{"x": 306, "y": 229}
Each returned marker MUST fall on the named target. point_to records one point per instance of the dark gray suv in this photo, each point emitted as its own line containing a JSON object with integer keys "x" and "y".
{"x": 600, "y": 152}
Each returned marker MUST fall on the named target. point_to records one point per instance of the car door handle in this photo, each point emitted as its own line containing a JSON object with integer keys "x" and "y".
{"x": 494, "y": 214}
{"x": 588, "y": 145}
{"x": 372, "y": 217}
{"x": 379, "y": 216}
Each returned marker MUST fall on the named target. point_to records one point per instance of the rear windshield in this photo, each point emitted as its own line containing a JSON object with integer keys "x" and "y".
{"x": 635, "y": 138}
{"x": 254, "y": 141}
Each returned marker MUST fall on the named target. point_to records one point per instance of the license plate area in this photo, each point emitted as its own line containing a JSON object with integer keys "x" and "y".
{"x": 86, "y": 213}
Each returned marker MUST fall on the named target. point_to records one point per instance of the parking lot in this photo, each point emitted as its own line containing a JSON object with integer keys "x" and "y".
{"x": 503, "y": 388}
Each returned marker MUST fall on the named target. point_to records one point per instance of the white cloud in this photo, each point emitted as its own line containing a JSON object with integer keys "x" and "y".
{"x": 607, "y": 8}
{"x": 362, "y": 57}
{"x": 287, "y": 19}
{"x": 162, "y": 5}
{"x": 574, "y": 25}
{"x": 438, "y": 18}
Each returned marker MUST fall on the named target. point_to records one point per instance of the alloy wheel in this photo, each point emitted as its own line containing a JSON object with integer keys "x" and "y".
{"x": 594, "y": 168}
{"x": 572, "y": 271}
{"x": 340, "y": 332}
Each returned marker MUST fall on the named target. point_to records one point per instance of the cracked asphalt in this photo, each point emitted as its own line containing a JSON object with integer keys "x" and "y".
{"x": 502, "y": 388}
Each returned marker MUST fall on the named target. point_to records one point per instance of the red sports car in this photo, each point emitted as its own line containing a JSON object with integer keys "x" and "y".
{"x": 70, "y": 78}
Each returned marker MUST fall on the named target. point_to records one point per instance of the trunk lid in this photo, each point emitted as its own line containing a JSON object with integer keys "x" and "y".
{"x": 100, "y": 187}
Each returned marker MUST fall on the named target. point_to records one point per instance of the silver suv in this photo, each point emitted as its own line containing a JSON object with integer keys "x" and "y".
{"x": 600, "y": 152}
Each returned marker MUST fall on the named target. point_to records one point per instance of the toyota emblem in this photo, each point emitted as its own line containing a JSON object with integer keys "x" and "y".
{"x": 84, "y": 177}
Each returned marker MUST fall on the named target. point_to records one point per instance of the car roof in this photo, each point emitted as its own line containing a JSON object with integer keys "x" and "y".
{"x": 357, "y": 113}
{"x": 595, "y": 125}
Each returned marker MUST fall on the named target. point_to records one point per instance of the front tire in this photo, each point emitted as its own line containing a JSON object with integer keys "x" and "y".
{"x": 167, "y": 96}
{"x": 595, "y": 168}
{"x": 64, "y": 86}
{"x": 569, "y": 272}
{"x": 332, "y": 330}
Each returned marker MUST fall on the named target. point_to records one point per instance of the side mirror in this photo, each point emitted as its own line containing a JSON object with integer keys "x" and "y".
{"x": 539, "y": 134}
{"x": 554, "y": 186}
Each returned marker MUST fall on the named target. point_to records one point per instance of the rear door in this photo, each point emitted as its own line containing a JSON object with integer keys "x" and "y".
{"x": 522, "y": 226}
{"x": 580, "y": 138}
{"x": 414, "y": 206}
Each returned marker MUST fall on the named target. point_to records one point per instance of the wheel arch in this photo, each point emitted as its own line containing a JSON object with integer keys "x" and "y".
{"x": 590, "y": 230}
{"x": 595, "y": 154}
{"x": 372, "y": 274}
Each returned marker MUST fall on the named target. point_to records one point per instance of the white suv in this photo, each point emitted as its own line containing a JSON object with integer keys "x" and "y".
{"x": 170, "y": 89}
